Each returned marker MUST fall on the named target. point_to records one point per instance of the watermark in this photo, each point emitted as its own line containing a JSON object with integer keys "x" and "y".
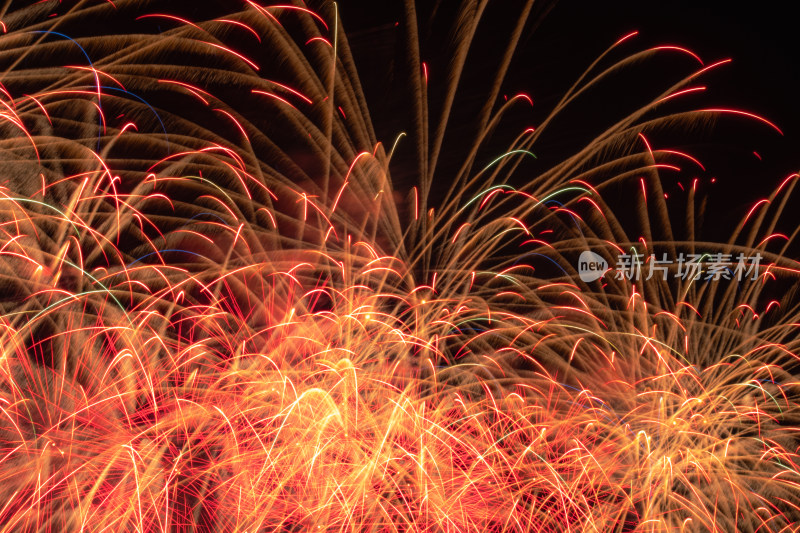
{"x": 591, "y": 266}
{"x": 693, "y": 267}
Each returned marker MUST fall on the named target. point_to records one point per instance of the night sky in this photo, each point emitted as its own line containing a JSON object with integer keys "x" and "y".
{"x": 562, "y": 39}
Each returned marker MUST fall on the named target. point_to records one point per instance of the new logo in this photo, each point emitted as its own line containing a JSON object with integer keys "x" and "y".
{"x": 591, "y": 266}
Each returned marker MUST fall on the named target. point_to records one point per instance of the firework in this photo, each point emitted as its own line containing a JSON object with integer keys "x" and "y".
{"x": 221, "y": 313}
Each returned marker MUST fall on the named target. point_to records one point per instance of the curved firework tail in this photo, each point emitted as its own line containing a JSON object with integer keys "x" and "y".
{"x": 221, "y": 313}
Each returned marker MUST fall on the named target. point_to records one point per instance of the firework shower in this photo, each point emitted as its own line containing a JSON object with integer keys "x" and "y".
{"x": 227, "y": 304}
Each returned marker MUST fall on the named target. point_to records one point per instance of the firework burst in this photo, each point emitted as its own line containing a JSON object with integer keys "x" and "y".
{"x": 220, "y": 312}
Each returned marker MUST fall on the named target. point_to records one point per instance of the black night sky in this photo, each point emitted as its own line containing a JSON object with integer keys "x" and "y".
{"x": 562, "y": 38}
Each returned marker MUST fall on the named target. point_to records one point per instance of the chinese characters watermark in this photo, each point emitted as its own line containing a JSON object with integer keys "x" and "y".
{"x": 635, "y": 266}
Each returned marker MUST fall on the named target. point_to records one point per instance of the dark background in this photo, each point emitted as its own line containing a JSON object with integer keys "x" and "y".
{"x": 562, "y": 39}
